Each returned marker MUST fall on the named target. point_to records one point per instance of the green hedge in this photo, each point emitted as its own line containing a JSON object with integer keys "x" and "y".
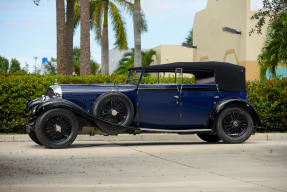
{"x": 269, "y": 98}
{"x": 17, "y": 90}
{"x": 270, "y": 101}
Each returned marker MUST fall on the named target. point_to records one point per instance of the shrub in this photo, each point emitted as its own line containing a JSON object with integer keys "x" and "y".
{"x": 270, "y": 101}
{"x": 17, "y": 90}
{"x": 269, "y": 97}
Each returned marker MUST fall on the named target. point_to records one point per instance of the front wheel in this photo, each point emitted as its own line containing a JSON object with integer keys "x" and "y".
{"x": 234, "y": 125}
{"x": 57, "y": 128}
{"x": 34, "y": 138}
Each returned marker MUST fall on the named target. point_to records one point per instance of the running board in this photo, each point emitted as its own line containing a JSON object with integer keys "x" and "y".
{"x": 176, "y": 131}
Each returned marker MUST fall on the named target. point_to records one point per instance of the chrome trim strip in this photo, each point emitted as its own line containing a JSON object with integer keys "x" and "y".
{"x": 175, "y": 131}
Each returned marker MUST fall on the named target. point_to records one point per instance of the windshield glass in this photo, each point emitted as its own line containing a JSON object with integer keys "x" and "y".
{"x": 133, "y": 77}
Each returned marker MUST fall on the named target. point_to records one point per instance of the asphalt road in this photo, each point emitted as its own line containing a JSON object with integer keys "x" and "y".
{"x": 145, "y": 166}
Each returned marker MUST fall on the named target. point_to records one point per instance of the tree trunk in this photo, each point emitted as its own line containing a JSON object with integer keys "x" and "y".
{"x": 69, "y": 34}
{"x": 137, "y": 34}
{"x": 60, "y": 13}
{"x": 85, "y": 67}
{"x": 105, "y": 42}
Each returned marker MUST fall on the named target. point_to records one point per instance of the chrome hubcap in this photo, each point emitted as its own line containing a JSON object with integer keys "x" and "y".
{"x": 114, "y": 112}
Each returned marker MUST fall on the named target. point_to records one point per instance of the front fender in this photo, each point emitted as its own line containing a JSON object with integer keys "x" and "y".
{"x": 32, "y": 104}
{"x": 218, "y": 108}
{"x": 61, "y": 103}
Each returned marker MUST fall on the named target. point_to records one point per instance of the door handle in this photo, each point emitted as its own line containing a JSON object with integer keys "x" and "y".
{"x": 176, "y": 97}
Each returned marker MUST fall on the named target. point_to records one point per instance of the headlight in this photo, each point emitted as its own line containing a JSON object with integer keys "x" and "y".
{"x": 55, "y": 91}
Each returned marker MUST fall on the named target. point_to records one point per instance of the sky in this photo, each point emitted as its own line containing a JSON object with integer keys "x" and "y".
{"x": 28, "y": 31}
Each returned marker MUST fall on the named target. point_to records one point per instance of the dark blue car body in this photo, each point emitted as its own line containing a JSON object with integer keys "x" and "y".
{"x": 169, "y": 107}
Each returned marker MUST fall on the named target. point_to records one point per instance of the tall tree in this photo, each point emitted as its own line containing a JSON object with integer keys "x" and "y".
{"x": 274, "y": 14}
{"x": 65, "y": 31}
{"x": 69, "y": 34}
{"x": 4, "y": 65}
{"x": 271, "y": 10}
{"x": 137, "y": 33}
{"x": 60, "y": 15}
{"x": 85, "y": 68}
{"x": 100, "y": 12}
{"x": 15, "y": 66}
{"x": 274, "y": 50}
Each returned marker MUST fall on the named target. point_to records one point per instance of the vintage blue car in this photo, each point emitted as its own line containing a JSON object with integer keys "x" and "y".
{"x": 206, "y": 98}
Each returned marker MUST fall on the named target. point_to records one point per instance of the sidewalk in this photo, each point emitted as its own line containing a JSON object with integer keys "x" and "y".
{"x": 144, "y": 137}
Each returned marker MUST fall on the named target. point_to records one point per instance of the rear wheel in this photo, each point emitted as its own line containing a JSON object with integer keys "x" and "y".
{"x": 209, "y": 137}
{"x": 57, "y": 128}
{"x": 234, "y": 125}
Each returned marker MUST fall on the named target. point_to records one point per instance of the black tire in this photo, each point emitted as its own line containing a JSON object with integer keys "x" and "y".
{"x": 116, "y": 108}
{"x": 234, "y": 125}
{"x": 34, "y": 138}
{"x": 209, "y": 137}
{"x": 48, "y": 123}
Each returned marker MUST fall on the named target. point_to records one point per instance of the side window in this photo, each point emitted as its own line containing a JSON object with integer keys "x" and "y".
{"x": 154, "y": 78}
{"x": 167, "y": 78}
{"x": 205, "y": 78}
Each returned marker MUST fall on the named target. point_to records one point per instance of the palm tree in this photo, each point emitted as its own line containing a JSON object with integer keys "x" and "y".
{"x": 100, "y": 10}
{"x": 69, "y": 34}
{"x": 128, "y": 60}
{"x": 137, "y": 33}
{"x": 60, "y": 11}
{"x": 275, "y": 48}
{"x": 85, "y": 68}
{"x": 104, "y": 9}
{"x": 65, "y": 32}
{"x": 189, "y": 39}
{"x": 140, "y": 26}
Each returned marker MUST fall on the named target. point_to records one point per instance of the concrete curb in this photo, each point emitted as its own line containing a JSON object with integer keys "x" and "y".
{"x": 144, "y": 137}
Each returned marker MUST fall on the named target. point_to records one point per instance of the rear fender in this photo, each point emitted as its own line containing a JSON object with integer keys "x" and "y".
{"x": 220, "y": 106}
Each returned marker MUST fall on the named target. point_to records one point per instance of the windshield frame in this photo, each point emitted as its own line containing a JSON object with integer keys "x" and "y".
{"x": 133, "y": 80}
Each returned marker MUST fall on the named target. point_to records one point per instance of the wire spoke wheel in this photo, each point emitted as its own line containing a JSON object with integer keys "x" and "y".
{"x": 58, "y": 128}
{"x": 115, "y": 108}
{"x": 234, "y": 125}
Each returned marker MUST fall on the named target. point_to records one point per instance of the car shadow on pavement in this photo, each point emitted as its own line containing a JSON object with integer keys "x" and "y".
{"x": 128, "y": 144}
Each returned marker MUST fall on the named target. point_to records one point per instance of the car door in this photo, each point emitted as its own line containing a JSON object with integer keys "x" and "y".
{"x": 196, "y": 103}
{"x": 158, "y": 106}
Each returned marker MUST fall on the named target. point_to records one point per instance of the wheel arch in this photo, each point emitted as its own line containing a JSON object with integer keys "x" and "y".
{"x": 220, "y": 106}
{"x": 82, "y": 116}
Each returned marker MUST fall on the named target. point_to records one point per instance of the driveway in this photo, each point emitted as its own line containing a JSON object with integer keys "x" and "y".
{"x": 173, "y": 166}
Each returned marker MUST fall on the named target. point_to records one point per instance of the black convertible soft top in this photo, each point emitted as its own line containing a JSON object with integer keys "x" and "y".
{"x": 229, "y": 77}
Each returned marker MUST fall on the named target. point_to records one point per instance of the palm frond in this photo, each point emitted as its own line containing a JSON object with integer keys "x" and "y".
{"x": 118, "y": 26}
{"x": 144, "y": 27}
{"x": 77, "y": 14}
{"x": 127, "y": 5}
{"x": 96, "y": 19}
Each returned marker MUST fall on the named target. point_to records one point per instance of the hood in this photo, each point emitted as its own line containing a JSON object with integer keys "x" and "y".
{"x": 95, "y": 88}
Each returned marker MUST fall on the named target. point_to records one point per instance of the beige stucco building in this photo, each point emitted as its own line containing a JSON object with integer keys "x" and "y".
{"x": 215, "y": 44}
